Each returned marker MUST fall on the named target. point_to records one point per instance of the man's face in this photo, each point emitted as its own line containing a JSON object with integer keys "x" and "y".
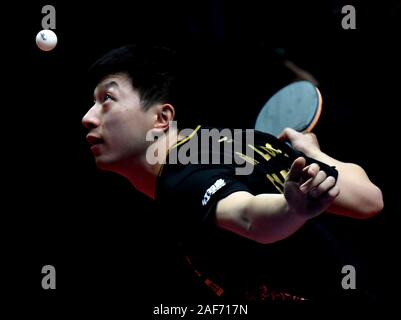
{"x": 117, "y": 123}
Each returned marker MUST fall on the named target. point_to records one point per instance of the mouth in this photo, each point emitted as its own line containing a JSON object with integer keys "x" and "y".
{"x": 95, "y": 143}
{"x": 94, "y": 140}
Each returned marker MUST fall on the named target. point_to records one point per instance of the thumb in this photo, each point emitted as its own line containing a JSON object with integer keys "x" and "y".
{"x": 287, "y": 134}
{"x": 296, "y": 169}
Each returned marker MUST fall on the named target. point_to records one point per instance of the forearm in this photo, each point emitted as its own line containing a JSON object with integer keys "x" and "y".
{"x": 270, "y": 218}
{"x": 359, "y": 197}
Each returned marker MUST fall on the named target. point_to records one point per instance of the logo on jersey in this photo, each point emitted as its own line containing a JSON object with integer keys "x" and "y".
{"x": 212, "y": 190}
{"x": 203, "y": 146}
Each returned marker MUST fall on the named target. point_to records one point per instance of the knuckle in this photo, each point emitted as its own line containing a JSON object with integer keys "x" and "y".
{"x": 321, "y": 189}
{"x": 331, "y": 180}
{"x": 316, "y": 191}
{"x": 333, "y": 192}
{"x": 322, "y": 175}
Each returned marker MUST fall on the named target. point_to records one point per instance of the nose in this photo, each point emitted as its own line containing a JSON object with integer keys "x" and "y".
{"x": 90, "y": 120}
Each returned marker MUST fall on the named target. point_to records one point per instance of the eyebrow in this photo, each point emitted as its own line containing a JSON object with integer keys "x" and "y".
{"x": 110, "y": 84}
{"x": 107, "y": 86}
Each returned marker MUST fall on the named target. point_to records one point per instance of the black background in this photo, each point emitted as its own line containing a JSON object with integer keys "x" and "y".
{"x": 92, "y": 226}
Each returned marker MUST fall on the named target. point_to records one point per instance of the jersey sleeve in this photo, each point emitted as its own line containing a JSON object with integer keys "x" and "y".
{"x": 197, "y": 191}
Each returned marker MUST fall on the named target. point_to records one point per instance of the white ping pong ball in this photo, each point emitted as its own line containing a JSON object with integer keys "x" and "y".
{"x": 46, "y": 40}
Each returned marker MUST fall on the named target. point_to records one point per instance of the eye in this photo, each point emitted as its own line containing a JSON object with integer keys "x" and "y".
{"x": 107, "y": 97}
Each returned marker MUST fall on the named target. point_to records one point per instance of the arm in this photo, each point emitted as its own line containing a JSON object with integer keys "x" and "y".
{"x": 267, "y": 218}
{"x": 359, "y": 197}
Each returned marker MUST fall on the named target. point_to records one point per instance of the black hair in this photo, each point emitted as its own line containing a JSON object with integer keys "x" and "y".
{"x": 152, "y": 70}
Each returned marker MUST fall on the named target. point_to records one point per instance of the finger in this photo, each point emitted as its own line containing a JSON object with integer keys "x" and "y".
{"x": 313, "y": 169}
{"x": 308, "y": 174}
{"x": 313, "y": 182}
{"x": 329, "y": 196}
{"x": 304, "y": 182}
{"x": 334, "y": 192}
{"x": 295, "y": 172}
{"x": 322, "y": 188}
{"x": 287, "y": 134}
{"x": 283, "y": 136}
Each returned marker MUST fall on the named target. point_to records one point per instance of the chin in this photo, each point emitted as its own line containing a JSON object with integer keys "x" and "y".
{"x": 101, "y": 166}
{"x": 104, "y": 164}
{"x": 112, "y": 164}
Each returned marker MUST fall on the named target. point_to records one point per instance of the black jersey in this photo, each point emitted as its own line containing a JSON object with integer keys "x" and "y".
{"x": 305, "y": 265}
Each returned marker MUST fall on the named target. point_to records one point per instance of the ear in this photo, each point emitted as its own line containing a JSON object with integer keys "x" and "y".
{"x": 165, "y": 114}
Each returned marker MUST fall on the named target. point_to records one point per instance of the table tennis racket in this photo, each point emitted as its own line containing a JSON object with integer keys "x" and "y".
{"x": 297, "y": 106}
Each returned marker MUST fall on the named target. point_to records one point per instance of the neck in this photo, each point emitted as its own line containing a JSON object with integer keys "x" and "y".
{"x": 143, "y": 173}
